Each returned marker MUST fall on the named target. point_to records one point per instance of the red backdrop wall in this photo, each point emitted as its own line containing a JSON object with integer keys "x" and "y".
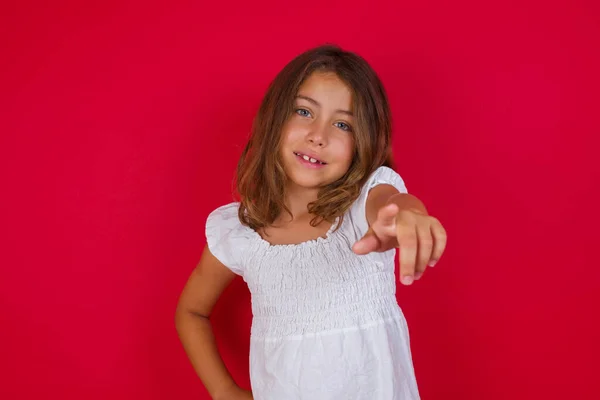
{"x": 121, "y": 123}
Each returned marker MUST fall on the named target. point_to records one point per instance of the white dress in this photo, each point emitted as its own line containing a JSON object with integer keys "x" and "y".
{"x": 326, "y": 324}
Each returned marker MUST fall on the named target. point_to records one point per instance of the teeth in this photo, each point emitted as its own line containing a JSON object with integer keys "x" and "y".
{"x": 310, "y": 159}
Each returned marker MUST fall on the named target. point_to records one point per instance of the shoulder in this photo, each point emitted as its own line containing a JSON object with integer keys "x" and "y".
{"x": 225, "y": 215}
{"x": 224, "y": 222}
{"x": 384, "y": 176}
{"x": 226, "y": 237}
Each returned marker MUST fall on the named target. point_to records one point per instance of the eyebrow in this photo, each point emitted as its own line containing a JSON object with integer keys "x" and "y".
{"x": 316, "y": 103}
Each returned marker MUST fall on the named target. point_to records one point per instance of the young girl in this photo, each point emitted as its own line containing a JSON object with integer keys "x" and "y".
{"x": 314, "y": 237}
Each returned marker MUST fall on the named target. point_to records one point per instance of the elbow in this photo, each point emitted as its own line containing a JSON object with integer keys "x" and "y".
{"x": 184, "y": 314}
{"x": 180, "y": 316}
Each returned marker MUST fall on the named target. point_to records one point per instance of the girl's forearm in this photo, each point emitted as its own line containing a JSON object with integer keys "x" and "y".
{"x": 196, "y": 335}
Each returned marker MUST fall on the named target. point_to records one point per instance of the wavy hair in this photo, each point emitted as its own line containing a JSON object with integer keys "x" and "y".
{"x": 260, "y": 177}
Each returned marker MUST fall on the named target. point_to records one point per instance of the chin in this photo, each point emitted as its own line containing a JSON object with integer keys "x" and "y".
{"x": 307, "y": 180}
{"x": 310, "y": 179}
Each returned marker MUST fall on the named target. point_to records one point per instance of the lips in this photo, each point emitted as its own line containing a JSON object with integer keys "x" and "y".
{"x": 309, "y": 158}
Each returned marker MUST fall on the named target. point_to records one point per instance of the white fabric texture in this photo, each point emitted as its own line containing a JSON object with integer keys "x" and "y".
{"x": 326, "y": 324}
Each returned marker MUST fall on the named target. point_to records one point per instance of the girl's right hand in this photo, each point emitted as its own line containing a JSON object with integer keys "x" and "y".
{"x": 236, "y": 393}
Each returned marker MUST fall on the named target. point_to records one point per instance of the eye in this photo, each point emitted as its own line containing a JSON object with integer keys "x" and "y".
{"x": 343, "y": 126}
{"x": 303, "y": 112}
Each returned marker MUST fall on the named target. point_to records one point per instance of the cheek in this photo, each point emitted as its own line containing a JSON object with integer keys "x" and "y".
{"x": 345, "y": 149}
{"x": 287, "y": 139}
{"x": 291, "y": 133}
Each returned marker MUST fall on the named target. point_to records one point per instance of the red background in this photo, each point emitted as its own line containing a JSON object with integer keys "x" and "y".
{"x": 121, "y": 124}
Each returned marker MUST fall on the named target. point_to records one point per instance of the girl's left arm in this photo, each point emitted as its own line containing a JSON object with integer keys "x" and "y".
{"x": 401, "y": 220}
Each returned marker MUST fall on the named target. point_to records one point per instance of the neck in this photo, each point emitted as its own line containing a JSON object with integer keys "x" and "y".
{"x": 298, "y": 198}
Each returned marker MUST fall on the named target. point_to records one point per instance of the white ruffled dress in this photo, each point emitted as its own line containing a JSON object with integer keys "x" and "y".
{"x": 326, "y": 324}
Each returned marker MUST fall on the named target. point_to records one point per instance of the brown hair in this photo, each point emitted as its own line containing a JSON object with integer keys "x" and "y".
{"x": 260, "y": 176}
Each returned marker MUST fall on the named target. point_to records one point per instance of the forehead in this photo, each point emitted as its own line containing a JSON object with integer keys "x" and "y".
{"x": 328, "y": 89}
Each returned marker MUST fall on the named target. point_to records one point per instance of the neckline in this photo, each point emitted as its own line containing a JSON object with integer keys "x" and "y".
{"x": 310, "y": 242}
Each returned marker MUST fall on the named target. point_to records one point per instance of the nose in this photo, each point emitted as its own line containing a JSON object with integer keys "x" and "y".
{"x": 317, "y": 136}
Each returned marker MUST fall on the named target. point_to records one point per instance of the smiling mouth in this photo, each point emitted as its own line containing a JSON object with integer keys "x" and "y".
{"x": 310, "y": 159}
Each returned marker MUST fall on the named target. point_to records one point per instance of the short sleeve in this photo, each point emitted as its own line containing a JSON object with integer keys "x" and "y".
{"x": 381, "y": 176}
{"x": 226, "y": 238}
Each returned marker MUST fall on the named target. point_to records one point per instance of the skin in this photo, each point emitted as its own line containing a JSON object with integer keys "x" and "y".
{"x": 322, "y": 125}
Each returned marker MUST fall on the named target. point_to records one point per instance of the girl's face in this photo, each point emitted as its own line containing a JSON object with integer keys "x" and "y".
{"x": 318, "y": 140}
